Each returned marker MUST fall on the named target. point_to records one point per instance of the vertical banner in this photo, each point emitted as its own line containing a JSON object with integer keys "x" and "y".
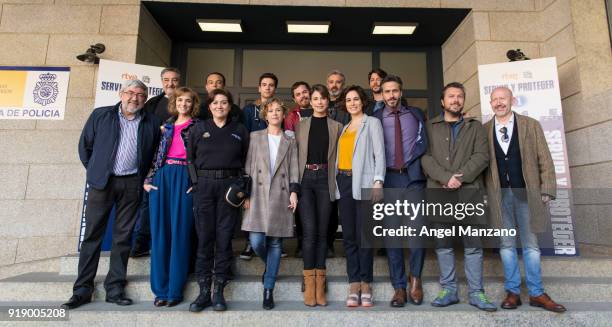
{"x": 33, "y": 92}
{"x": 535, "y": 85}
{"x": 111, "y": 76}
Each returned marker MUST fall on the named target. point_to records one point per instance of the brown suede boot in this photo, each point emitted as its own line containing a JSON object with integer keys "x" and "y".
{"x": 320, "y": 287}
{"x": 309, "y": 288}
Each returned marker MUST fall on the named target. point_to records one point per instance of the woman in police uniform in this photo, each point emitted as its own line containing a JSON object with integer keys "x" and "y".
{"x": 218, "y": 151}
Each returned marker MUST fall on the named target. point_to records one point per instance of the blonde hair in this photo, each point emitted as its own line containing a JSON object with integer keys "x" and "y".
{"x": 264, "y": 107}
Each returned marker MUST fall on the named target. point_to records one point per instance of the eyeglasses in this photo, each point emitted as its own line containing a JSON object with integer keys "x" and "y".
{"x": 131, "y": 94}
{"x": 505, "y": 138}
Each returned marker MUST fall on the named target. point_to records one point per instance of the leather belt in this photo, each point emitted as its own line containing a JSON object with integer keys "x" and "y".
{"x": 218, "y": 173}
{"x": 398, "y": 171}
{"x": 125, "y": 176}
{"x": 345, "y": 172}
{"x": 316, "y": 166}
{"x": 176, "y": 162}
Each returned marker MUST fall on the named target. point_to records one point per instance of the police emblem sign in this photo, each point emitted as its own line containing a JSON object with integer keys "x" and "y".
{"x": 33, "y": 92}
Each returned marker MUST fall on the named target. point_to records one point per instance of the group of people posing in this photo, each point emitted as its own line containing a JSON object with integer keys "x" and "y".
{"x": 313, "y": 161}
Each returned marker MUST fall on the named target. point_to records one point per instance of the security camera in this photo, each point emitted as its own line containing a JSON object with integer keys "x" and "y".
{"x": 516, "y": 55}
{"x": 91, "y": 55}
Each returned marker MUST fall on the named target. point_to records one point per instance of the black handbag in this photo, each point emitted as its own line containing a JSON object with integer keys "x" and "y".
{"x": 239, "y": 191}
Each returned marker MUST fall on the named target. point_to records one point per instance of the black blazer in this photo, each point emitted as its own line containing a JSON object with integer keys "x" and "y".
{"x": 151, "y": 107}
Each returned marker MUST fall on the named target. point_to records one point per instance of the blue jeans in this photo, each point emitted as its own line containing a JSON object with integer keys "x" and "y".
{"x": 516, "y": 212}
{"x": 269, "y": 250}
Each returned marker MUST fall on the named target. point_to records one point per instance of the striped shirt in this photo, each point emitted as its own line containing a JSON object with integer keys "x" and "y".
{"x": 126, "y": 159}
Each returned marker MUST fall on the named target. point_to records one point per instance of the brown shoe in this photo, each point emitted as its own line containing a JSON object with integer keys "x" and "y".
{"x": 320, "y": 286}
{"x": 309, "y": 288}
{"x": 399, "y": 298}
{"x": 512, "y": 301}
{"x": 544, "y": 301}
{"x": 416, "y": 290}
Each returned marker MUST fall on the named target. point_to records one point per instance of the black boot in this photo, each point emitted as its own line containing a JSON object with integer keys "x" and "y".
{"x": 203, "y": 300}
{"x": 218, "y": 300}
{"x": 268, "y": 299}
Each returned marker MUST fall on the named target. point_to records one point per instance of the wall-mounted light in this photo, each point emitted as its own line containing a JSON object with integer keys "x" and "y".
{"x": 91, "y": 54}
{"x": 382, "y": 28}
{"x": 308, "y": 27}
{"x": 220, "y": 25}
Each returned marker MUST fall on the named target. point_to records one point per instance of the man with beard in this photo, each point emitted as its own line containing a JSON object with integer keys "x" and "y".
{"x": 214, "y": 81}
{"x": 157, "y": 105}
{"x": 375, "y": 103}
{"x": 300, "y": 91}
{"x": 405, "y": 143}
{"x": 456, "y": 158}
{"x": 335, "y": 84}
{"x": 521, "y": 180}
{"x": 116, "y": 147}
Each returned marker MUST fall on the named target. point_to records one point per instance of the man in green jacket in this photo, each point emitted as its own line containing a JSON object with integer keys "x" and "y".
{"x": 456, "y": 158}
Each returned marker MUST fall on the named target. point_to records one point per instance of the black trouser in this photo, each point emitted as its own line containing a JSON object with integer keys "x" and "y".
{"x": 359, "y": 259}
{"x": 215, "y": 221}
{"x": 314, "y": 207}
{"x": 299, "y": 231}
{"x": 332, "y": 227}
{"x": 124, "y": 193}
{"x": 142, "y": 239}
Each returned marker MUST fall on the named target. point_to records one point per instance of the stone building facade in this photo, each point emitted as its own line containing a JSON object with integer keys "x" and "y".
{"x": 41, "y": 178}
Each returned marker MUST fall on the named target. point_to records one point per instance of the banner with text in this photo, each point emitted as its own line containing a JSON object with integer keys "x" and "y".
{"x": 535, "y": 85}
{"x": 33, "y": 92}
{"x": 112, "y": 74}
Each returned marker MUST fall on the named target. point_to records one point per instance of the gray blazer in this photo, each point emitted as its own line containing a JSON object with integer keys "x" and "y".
{"x": 302, "y": 131}
{"x": 268, "y": 212}
{"x": 368, "y": 156}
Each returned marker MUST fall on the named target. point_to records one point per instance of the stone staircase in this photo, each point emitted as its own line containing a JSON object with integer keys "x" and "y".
{"x": 583, "y": 285}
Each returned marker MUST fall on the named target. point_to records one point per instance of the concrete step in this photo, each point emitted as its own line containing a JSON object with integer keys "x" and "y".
{"x": 335, "y": 314}
{"x": 55, "y": 287}
{"x": 290, "y": 266}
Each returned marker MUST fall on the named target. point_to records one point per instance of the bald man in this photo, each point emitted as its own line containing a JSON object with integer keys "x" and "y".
{"x": 521, "y": 181}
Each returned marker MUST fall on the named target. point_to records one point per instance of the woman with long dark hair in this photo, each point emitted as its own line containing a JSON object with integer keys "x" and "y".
{"x": 360, "y": 164}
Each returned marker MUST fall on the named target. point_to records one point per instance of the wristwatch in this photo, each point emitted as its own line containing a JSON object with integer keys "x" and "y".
{"x": 378, "y": 181}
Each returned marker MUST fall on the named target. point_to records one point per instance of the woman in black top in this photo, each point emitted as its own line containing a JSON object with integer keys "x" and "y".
{"x": 218, "y": 151}
{"x": 317, "y": 137}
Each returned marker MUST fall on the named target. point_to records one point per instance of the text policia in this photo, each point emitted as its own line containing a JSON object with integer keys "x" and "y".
{"x": 411, "y": 209}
